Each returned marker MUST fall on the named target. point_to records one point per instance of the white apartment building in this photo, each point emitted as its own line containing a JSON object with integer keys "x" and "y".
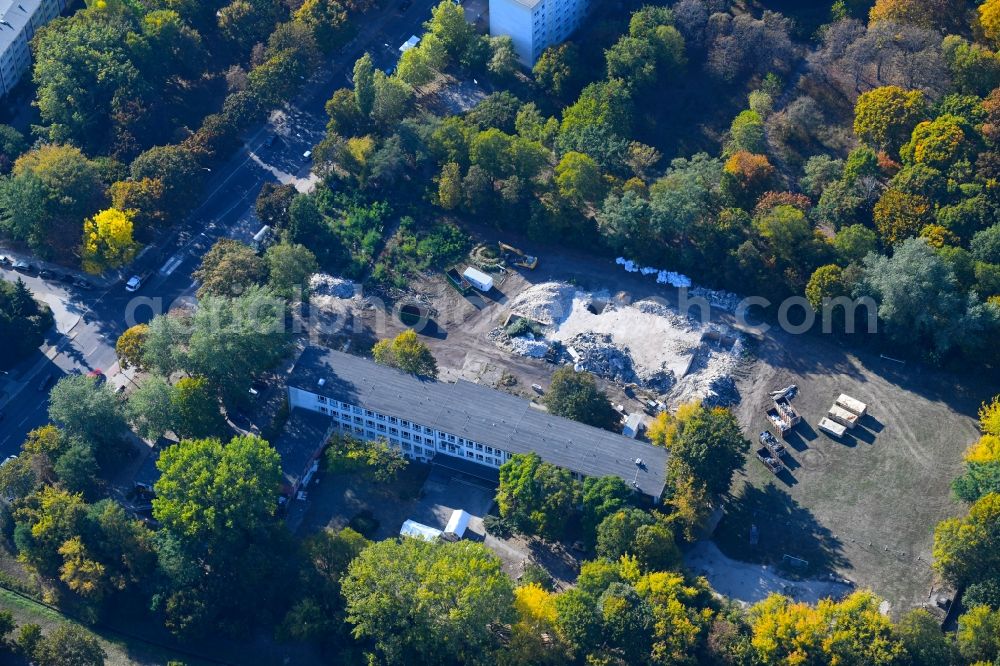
{"x": 19, "y": 21}
{"x": 428, "y": 418}
{"x": 534, "y": 25}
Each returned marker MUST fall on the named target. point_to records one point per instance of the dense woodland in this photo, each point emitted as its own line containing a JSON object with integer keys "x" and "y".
{"x": 844, "y": 150}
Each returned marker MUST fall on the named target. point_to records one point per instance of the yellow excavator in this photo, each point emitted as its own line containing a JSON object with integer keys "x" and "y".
{"x": 517, "y": 257}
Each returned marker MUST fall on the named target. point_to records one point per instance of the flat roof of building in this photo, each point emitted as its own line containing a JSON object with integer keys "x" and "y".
{"x": 14, "y": 15}
{"x": 303, "y": 434}
{"x": 482, "y": 414}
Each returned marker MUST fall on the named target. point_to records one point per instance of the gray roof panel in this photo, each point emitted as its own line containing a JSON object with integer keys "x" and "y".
{"x": 481, "y": 414}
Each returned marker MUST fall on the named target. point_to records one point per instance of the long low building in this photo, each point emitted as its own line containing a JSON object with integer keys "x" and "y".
{"x": 19, "y": 21}
{"x": 426, "y": 418}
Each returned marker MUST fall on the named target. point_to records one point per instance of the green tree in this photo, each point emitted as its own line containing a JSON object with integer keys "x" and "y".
{"x": 76, "y": 468}
{"x": 150, "y": 408}
{"x": 615, "y": 534}
{"x": 827, "y": 282}
{"x": 503, "y": 58}
{"x": 274, "y": 201}
{"x": 233, "y": 340}
{"x": 392, "y": 98}
{"x": 177, "y": 167}
{"x": 68, "y": 188}
{"x": 855, "y": 242}
{"x": 884, "y": 117}
{"x": 923, "y": 639}
{"x": 377, "y": 459}
{"x": 536, "y": 497}
{"x": 327, "y": 19}
{"x": 87, "y": 82}
{"x": 12, "y": 144}
{"x": 364, "y": 85}
{"x": 708, "y": 445}
{"x": 69, "y": 645}
{"x": 228, "y": 269}
{"x": 448, "y": 28}
{"x": 196, "y": 408}
{"x": 602, "y": 496}
{"x": 88, "y": 410}
{"x": 747, "y": 133}
{"x": 575, "y": 395}
{"x": 819, "y": 172}
{"x": 407, "y": 353}
{"x": 918, "y": 298}
{"x": 626, "y": 622}
{"x": 211, "y": 494}
{"x": 979, "y": 634}
{"x": 578, "y": 178}
{"x": 289, "y": 267}
{"x": 401, "y": 595}
{"x": 968, "y": 549}
{"x": 319, "y": 612}
{"x": 558, "y": 70}
{"x": 450, "y": 186}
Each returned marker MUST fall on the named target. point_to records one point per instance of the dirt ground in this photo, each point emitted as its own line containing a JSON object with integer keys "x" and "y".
{"x": 864, "y": 508}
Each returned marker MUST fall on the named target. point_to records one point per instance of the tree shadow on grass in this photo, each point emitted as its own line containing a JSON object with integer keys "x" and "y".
{"x": 783, "y": 527}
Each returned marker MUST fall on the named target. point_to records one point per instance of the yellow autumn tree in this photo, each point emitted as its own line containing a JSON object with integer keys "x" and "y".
{"x": 985, "y": 451}
{"x": 534, "y": 639}
{"x": 831, "y": 632}
{"x": 989, "y": 417}
{"x": 989, "y": 20}
{"x": 80, "y": 573}
{"x": 108, "y": 240}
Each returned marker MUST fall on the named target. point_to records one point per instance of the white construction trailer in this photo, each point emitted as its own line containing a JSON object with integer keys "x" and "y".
{"x": 478, "y": 279}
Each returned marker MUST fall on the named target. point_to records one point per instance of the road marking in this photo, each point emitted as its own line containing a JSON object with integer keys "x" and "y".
{"x": 172, "y": 264}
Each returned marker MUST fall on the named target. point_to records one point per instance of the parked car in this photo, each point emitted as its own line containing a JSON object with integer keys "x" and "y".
{"x": 5, "y": 260}
{"x": 46, "y": 274}
{"x": 82, "y": 284}
{"x": 98, "y": 376}
{"x": 66, "y": 277}
{"x": 23, "y": 266}
{"x": 46, "y": 381}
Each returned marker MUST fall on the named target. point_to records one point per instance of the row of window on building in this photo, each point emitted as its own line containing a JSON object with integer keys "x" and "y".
{"x": 413, "y": 439}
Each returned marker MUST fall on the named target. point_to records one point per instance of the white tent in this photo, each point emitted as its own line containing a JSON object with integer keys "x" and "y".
{"x": 412, "y": 528}
{"x": 458, "y": 523}
{"x": 409, "y": 44}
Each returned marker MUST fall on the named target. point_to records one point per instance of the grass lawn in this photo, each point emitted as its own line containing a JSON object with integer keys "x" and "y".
{"x": 121, "y": 651}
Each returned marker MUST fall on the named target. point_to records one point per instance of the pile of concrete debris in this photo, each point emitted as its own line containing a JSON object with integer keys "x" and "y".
{"x": 321, "y": 284}
{"x": 646, "y": 343}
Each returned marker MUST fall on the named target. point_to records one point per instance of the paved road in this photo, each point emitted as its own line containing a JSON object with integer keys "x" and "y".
{"x": 89, "y": 321}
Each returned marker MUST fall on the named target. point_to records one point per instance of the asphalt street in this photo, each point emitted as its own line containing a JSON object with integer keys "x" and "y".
{"x": 89, "y": 321}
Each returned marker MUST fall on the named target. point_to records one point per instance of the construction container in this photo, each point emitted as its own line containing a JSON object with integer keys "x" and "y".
{"x": 852, "y": 405}
{"x": 832, "y": 428}
{"x": 843, "y": 416}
